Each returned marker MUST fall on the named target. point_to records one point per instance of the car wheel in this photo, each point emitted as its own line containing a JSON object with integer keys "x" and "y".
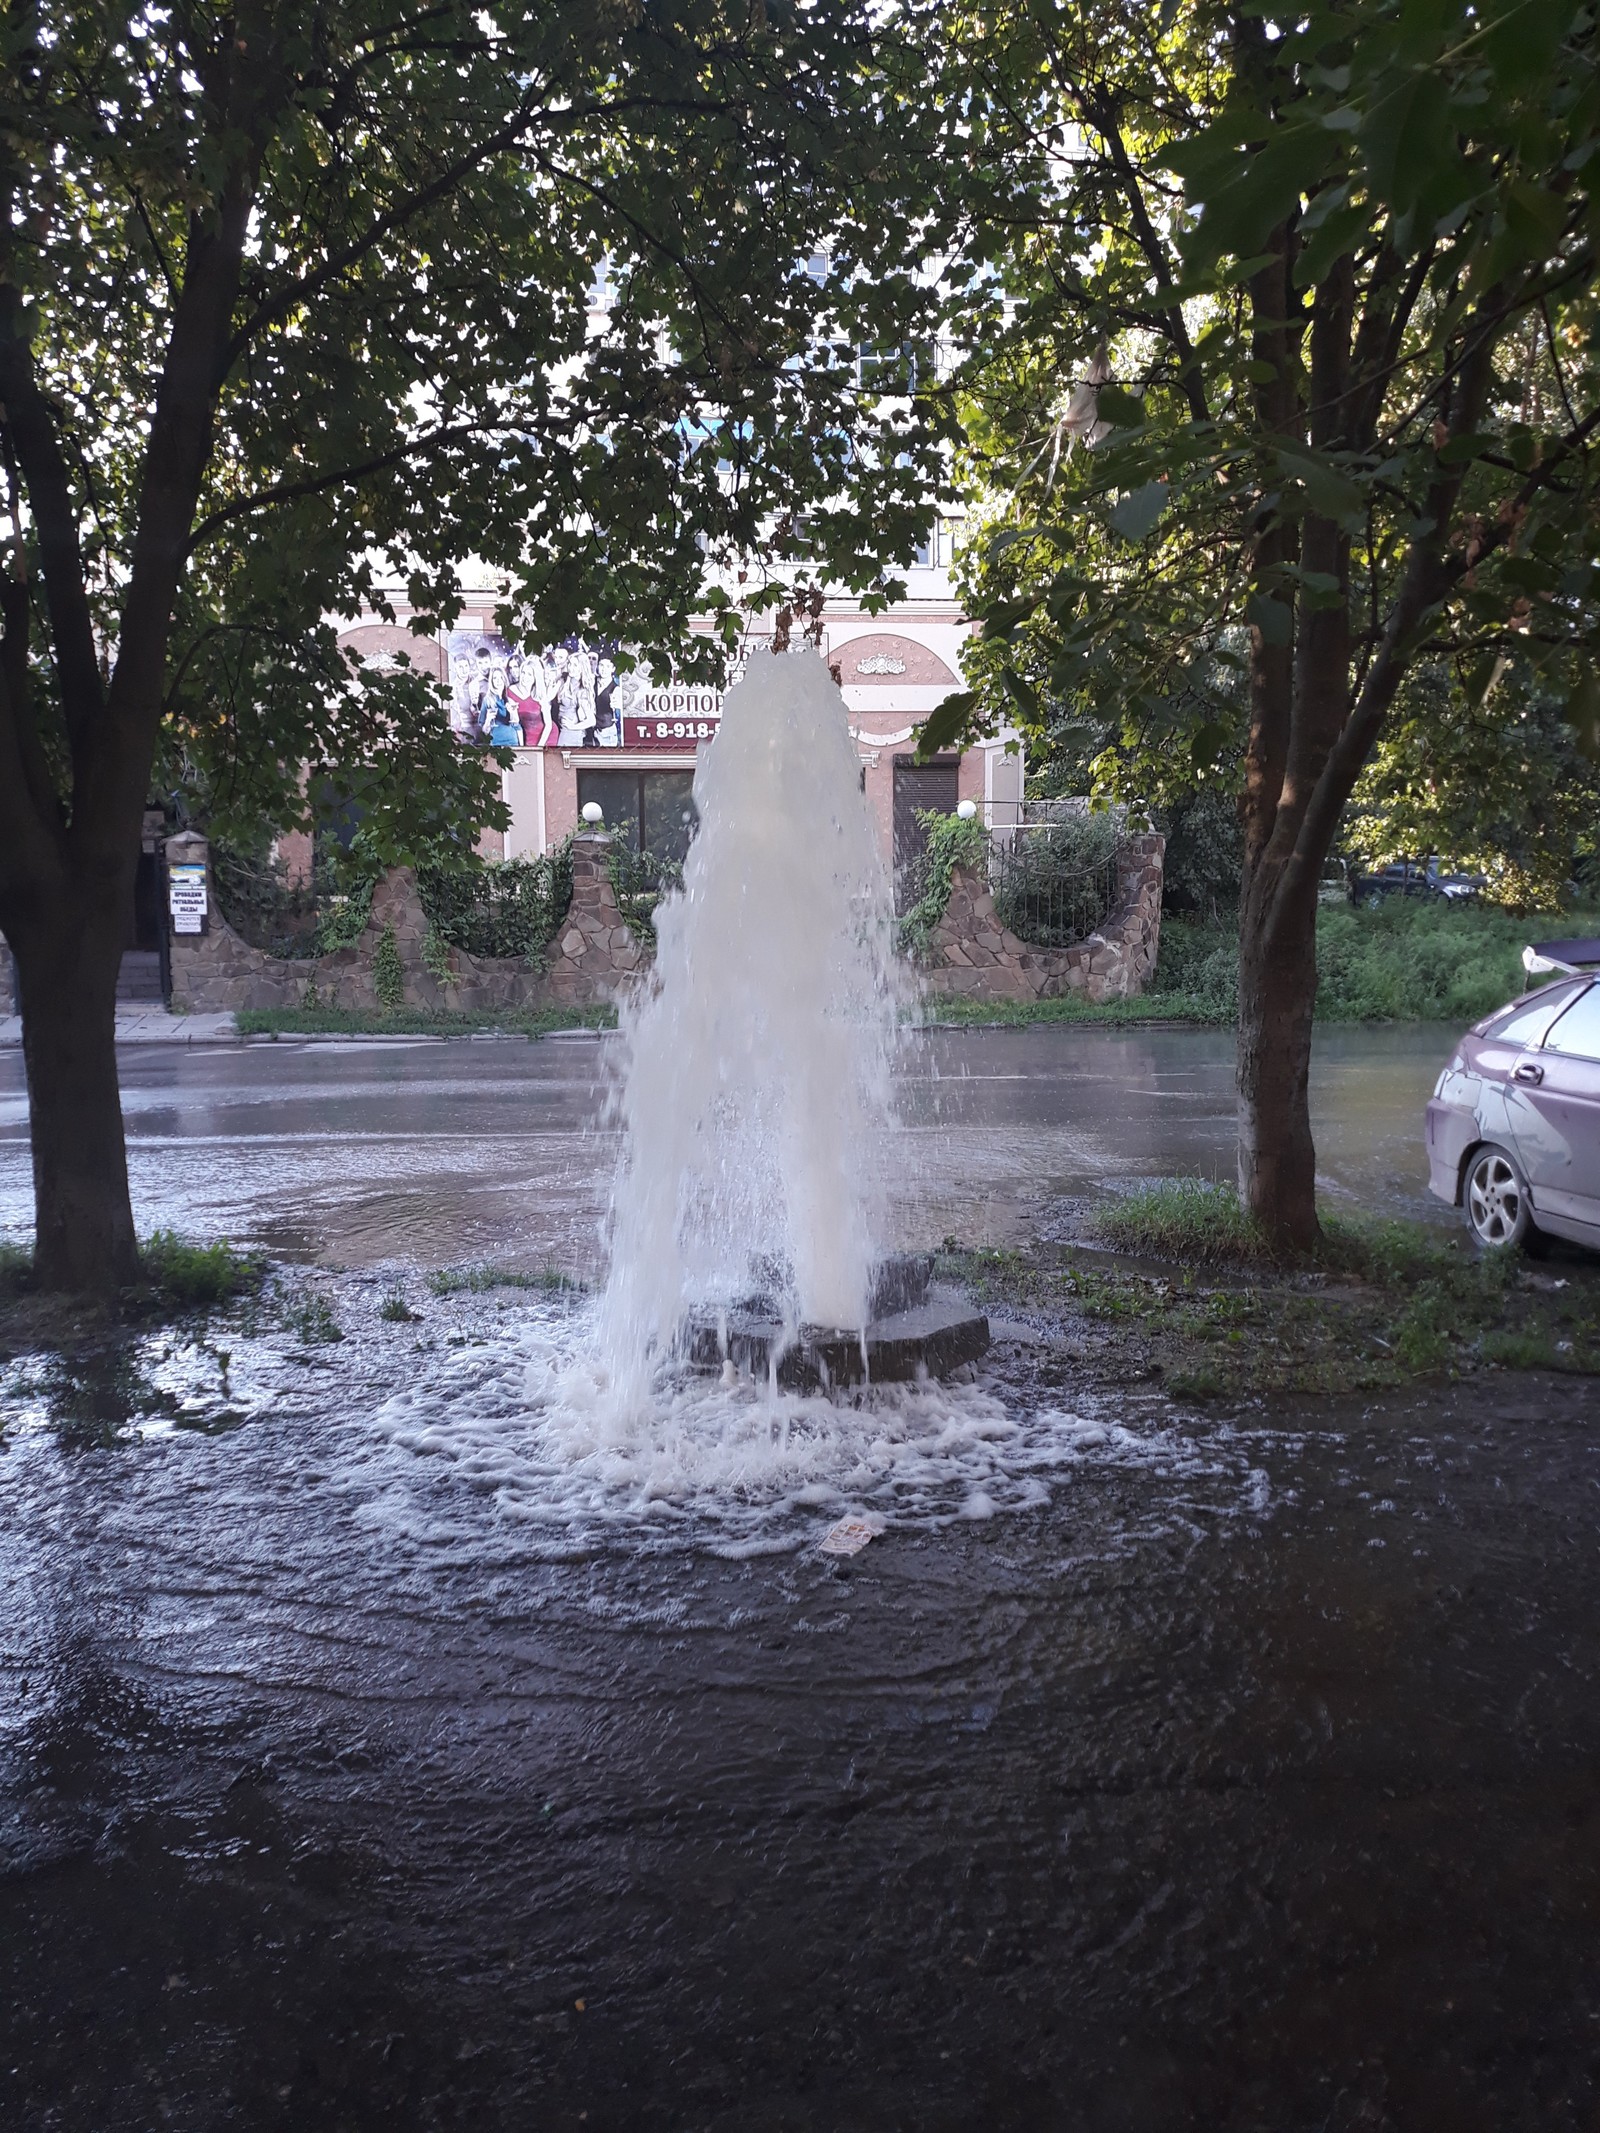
{"x": 1495, "y": 1200}
{"x": 1372, "y": 900}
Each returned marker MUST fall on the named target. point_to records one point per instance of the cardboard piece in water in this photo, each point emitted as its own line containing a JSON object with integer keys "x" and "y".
{"x": 849, "y": 1536}
{"x": 186, "y": 898}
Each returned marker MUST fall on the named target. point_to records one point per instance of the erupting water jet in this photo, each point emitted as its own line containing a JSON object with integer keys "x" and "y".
{"x": 756, "y": 1089}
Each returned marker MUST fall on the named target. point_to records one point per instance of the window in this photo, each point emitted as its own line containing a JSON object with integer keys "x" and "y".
{"x": 1578, "y": 1030}
{"x": 1527, "y": 1022}
{"x": 647, "y": 810}
{"x": 937, "y": 552}
{"x": 887, "y": 367}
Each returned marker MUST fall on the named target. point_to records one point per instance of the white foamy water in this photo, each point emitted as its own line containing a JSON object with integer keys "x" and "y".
{"x": 754, "y": 1102}
{"x": 529, "y": 1430}
{"x": 756, "y": 1067}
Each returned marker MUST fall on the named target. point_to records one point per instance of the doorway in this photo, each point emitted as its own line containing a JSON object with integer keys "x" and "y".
{"x": 919, "y": 788}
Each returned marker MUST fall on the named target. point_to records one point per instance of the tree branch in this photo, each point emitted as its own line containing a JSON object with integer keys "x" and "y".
{"x": 30, "y": 429}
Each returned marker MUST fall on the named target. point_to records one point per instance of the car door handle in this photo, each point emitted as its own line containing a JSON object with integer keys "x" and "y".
{"x": 1528, "y": 1072}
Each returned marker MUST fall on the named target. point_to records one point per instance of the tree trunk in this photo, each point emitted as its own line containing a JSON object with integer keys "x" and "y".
{"x": 1277, "y": 993}
{"x": 67, "y": 983}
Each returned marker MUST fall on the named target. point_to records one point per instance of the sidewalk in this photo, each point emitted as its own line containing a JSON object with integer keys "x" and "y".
{"x": 146, "y": 1024}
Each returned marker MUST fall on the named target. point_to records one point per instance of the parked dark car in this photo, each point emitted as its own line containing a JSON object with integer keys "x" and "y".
{"x": 1411, "y": 877}
{"x": 1513, "y": 1127}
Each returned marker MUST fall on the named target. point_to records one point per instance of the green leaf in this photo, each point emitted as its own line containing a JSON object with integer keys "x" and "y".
{"x": 1115, "y": 405}
{"x": 1539, "y": 213}
{"x": 946, "y": 723}
{"x": 1520, "y": 45}
{"x": 1021, "y": 692}
{"x": 1135, "y": 515}
{"x": 1207, "y": 745}
{"x": 1582, "y": 712}
{"x": 1271, "y": 617}
{"x": 1000, "y": 619}
{"x": 1405, "y": 137}
{"x": 1339, "y": 233}
{"x": 1243, "y": 202}
{"x": 1329, "y": 493}
{"x": 1460, "y": 450}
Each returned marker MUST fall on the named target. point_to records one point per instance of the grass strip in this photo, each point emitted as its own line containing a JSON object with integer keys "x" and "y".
{"x": 417, "y": 1021}
{"x": 475, "y": 1280}
{"x": 176, "y": 1275}
{"x": 1380, "y": 1303}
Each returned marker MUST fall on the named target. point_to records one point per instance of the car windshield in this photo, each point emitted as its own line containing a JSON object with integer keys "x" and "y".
{"x": 1578, "y": 1029}
{"x": 1527, "y": 1021}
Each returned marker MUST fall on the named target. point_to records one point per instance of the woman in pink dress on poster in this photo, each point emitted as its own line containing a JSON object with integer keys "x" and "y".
{"x": 526, "y": 696}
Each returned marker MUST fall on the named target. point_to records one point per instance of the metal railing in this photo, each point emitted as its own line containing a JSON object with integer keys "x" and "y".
{"x": 1045, "y": 899}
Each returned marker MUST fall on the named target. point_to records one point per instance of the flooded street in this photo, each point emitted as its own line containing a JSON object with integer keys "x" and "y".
{"x": 375, "y": 1752}
{"x": 437, "y": 1152}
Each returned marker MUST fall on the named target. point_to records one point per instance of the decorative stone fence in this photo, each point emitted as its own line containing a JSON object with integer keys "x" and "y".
{"x": 591, "y": 957}
{"x": 972, "y": 955}
{"x": 594, "y": 955}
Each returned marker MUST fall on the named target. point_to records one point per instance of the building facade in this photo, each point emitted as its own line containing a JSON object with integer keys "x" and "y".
{"x": 582, "y": 733}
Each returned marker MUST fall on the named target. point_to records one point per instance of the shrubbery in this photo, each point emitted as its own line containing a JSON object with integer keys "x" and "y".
{"x": 509, "y": 908}
{"x": 1404, "y": 962}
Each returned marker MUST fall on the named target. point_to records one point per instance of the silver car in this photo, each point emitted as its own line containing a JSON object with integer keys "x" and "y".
{"x": 1514, "y": 1123}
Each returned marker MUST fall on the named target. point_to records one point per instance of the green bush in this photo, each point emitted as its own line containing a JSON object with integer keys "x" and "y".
{"x": 388, "y": 972}
{"x": 477, "y": 1280}
{"x": 1421, "y": 961}
{"x": 952, "y": 842}
{"x": 1182, "y": 1218}
{"x": 1406, "y": 961}
{"x": 309, "y": 1314}
{"x": 1057, "y": 884}
{"x": 298, "y": 920}
{"x": 312, "y": 1019}
{"x": 639, "y": 881}
{"x": 1201, "y": 1223}
{"x": 508, "y": 909}
{"x": 342, "y": 917}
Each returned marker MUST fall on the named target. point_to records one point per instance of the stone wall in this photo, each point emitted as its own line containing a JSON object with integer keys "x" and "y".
{"x": 591, "y": 958}
{"x": 972, "y": 956}
{"x": 594, "y": 955}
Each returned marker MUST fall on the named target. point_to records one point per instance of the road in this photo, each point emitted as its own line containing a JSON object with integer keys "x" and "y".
{"x": 360, "y": 1152}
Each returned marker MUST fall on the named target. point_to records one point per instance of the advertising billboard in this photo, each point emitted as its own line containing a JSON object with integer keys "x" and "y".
{"x": 570, "y": 695}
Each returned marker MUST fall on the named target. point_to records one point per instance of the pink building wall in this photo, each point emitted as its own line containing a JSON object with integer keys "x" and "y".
{"x": 893, "y": 669}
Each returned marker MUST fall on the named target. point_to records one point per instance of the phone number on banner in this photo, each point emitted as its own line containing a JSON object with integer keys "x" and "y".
{"x": 664, "y": 732}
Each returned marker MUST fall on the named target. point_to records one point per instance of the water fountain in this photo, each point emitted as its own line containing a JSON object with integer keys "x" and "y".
{"x": 757, "y": 1075}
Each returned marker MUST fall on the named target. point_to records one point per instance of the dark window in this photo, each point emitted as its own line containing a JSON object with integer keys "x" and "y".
{"x": 339, "y": 817}
{"x": 650, "y": 810}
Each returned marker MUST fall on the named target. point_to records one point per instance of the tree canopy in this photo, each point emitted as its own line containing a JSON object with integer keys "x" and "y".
{"x": 1279, "y": 379}
{"x": 298, "y": 303}
{"x": 1342, "y": 285}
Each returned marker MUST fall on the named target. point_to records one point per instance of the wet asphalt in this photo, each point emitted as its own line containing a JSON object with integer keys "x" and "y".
{"x": 1249, "y": 1782}
{"x": 361, "y": 1152}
